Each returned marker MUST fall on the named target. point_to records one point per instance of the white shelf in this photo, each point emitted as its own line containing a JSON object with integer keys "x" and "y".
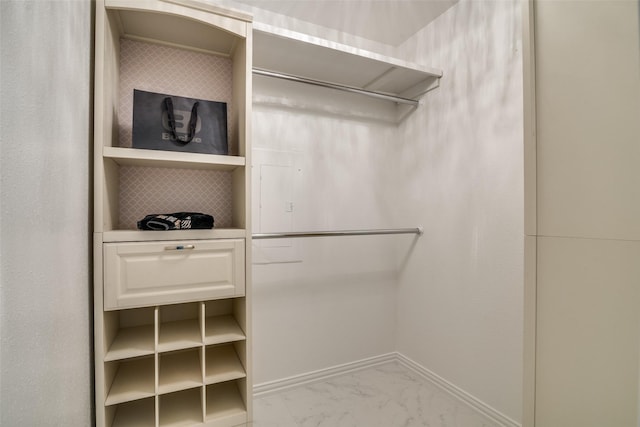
{"x": 132, "y": 342}
{"x": 179, "y": 371}
{"x": 181, "y": 409}
{"x": 179, "y": 335}
{"x": 134, "y": 380}
{"x": 168, "y": 28}
{"x": 115, "y": 236}
{"x": 140, "y": 413}
{"x": 313, "y": 58}
{"x": 225, "y": 404}
{"x": 222, "y": 364}
{"x": 222, "y": 329}
{"x": 172, "y": 159}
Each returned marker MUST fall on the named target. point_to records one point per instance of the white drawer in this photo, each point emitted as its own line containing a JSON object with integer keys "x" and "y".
{"x": 150, "y": 273}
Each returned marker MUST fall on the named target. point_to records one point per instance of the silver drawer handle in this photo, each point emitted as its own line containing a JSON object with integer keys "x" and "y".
{"x": 179, "y": 247}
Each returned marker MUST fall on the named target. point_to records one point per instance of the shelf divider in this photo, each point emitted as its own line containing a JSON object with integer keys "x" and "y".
{"x": 172, "y": 159}
{"x": 115, "y": 236}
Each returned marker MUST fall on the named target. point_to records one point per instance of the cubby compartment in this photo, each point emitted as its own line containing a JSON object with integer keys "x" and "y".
{"x": 201, "y": 61}
{"x": 130, "y": 380}
{"x": 156, "y": 187}
{"x": 129, "y": 333}
{"x": 224, "y": 321}
{"x": 225, "y": 404}
{"x": 160, "y": 68}
{"x": 180, "y": 327}
{"x": 179, "y": 370}
{"x": 222, "y": 363}
{"x": 182, "y": 408}
{"x": 139, "y": 413}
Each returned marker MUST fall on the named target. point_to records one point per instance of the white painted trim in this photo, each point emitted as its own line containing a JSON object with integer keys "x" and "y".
{"x": 457, "y": 392}
{"x": 271, "y": 387}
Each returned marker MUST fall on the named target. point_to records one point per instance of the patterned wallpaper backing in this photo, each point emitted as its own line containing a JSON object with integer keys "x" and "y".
{"x": 146, "y": 190}
{"x": 172, "y": 71}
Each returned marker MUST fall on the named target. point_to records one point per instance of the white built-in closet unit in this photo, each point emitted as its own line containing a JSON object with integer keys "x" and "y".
{"x": 172, "y": 308}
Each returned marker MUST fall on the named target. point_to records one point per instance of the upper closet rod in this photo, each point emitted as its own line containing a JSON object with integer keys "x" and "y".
{"x": 291, "y": 234}
{"x": 351, "y": 89}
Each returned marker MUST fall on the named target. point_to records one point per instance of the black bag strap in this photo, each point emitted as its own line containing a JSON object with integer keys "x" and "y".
{"x": 191, "y": 127}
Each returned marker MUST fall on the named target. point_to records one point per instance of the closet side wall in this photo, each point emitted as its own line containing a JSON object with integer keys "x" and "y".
{"x": 588, "y": 237}
{"x": 45, "y": 354}
{"x": 460, "y": 162}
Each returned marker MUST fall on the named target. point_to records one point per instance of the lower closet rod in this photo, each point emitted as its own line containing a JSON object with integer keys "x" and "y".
{"x": 287, "y": 235}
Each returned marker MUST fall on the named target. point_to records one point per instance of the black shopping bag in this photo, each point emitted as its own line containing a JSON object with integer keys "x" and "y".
{"x": 175, "y": 123}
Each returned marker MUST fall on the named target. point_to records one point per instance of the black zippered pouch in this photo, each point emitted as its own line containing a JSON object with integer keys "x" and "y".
{"x": 176, "y": 221}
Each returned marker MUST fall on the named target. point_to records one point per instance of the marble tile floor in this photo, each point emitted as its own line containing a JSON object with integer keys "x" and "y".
{"x": 387, "y": 395}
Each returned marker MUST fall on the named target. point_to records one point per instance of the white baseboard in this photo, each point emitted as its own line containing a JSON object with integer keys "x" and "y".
{"x": 271, "y": 387}
{"x": 457, "y": 392}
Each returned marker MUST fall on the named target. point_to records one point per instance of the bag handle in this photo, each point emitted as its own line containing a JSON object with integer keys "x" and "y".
{"x": 191, "y": 127}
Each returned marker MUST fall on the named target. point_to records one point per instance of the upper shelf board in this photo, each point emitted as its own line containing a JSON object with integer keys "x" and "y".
{"x": 172, "y": 159}
{"x": 310, "y": 57}
{"x": 186, "y": 23}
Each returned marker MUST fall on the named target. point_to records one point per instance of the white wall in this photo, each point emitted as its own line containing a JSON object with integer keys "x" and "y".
{"x": 45, "y": 363}
{"x": 335, "y": 303}
{"x": 460, "y": 164}
{"x": 588, "y": 234}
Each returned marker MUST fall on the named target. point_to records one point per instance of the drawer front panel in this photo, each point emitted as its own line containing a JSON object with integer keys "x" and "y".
{"x": 142, "y": 274}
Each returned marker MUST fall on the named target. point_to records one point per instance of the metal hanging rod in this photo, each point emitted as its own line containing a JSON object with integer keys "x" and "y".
{"x": 288, "y": 235}
{"x": 321, "y": 83}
